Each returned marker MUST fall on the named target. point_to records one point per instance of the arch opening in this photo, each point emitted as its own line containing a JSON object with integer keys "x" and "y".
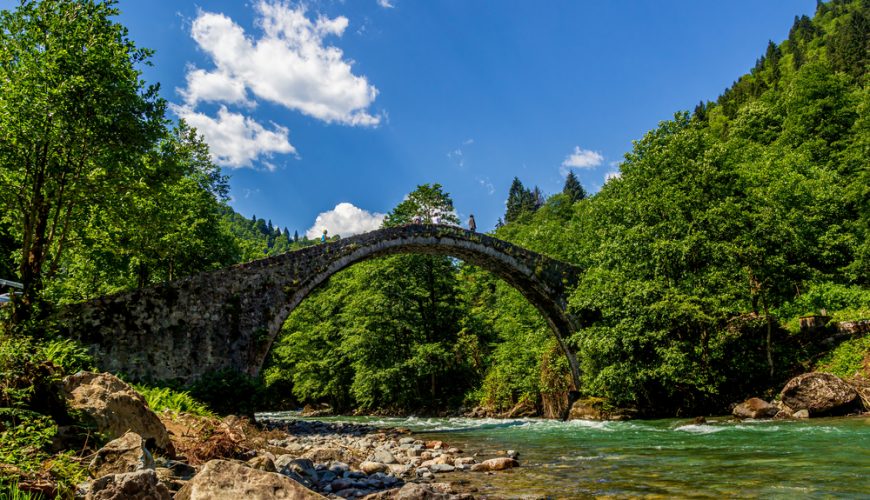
{"x": 532, "y": 278}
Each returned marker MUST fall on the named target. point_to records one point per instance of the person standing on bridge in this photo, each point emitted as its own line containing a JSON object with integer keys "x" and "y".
{"x": 472, "y": 226}
{"x": 323, "y": 237}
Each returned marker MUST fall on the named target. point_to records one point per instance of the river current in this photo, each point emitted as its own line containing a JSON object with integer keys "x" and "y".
{"x": 817, "y": 458}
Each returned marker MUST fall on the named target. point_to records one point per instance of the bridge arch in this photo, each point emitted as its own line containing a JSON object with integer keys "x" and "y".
{"x": 229, "y": 318}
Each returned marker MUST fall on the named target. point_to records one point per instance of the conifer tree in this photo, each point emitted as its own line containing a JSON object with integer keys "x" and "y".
{"x": 536, "y": 200}
{"x": 516, "y": 197}
{"x": 573, "y": 189}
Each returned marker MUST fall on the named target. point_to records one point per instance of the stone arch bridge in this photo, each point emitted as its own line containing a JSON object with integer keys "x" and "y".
{"x": 229, "y": 318}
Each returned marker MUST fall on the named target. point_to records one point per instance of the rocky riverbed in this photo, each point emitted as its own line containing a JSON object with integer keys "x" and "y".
{"x": 175, "y": 455}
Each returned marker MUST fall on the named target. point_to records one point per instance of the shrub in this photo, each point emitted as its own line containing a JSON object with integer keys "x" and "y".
{"x": 848, "y": 359}
{"x": 165, "y": 398}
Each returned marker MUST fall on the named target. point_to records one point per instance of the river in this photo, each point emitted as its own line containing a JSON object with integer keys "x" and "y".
{"x": 657, "y": 458}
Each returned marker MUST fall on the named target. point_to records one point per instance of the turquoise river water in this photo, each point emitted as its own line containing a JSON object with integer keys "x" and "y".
{"x": 817, "y": 458}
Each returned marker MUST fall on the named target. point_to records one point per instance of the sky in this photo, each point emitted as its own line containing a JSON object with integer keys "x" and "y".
{"x": 325, "y": 114}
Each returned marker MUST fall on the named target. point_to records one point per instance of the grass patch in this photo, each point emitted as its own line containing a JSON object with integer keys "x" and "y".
{"x": 848, "y": 359}
{"x": 165, "y": 398}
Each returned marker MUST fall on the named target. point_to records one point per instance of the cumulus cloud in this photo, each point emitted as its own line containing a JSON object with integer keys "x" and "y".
{"x": 346, "y": 220}
{"x": 289, "y": 64}
{"x": 216, "y": 86}
{"x": 236, "y": 140}
{"x": 583, "y": 158}
{"x": 386, "y": 4}
{"x": 612, "y": 175}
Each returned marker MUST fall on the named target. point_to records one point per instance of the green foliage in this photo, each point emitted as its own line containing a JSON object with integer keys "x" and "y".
{"x": 521, "y": 201}
{"x": 385, "y": 333}
{"x": 754, "y": 208}
{"x": 9, "y": 491}
{"x": 73, "y": 123}
{"x": 426, "y": 202}
{"x": 841, "y": 302}
{"x": 225, "y": 392}
{"x": 30, "y": 407}
{"x": 165, "y": 398}
{"x": 848, "y": 359}
{"x": 573, "y": 189}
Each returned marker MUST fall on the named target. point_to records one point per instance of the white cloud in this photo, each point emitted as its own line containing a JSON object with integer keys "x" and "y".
{"x": 288, "y": 65}
{"x": 236, "y": 140}
{"x": 583, "y": 158}
{"x": 486, "y": 184}
{"x": 346, "y": 220}
{"x": 386, "y": 4}
{"x": 458, "y": 155}
{"x": 612, "y": 175}
{"x": 214, "y": 87}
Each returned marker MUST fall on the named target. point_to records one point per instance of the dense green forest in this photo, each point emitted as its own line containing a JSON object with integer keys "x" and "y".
{"x": 725, "y": 225}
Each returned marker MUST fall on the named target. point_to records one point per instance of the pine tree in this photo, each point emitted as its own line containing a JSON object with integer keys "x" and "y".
{"x": 573, "y": 189}
{"x": 296, "y": 236}
{"x": 516, "y": 198}
{"x": 847, "y": 49}
{"x": 536, "y": 199}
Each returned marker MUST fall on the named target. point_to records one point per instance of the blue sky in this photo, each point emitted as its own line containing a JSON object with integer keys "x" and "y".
{"x": 338, "y": 109}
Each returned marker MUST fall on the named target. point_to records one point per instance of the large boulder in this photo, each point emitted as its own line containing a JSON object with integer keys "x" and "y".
{"x": 415, "y": 491}
{"x": 114, "y": 408}
{"x": 139, "y": 485}
{"x": 224, "y": 480}
{"x": 125, "y": 454}
{"x": 755, "y": 408}
{"x": 819, "y": 394}
{"x": 494, "y": 464}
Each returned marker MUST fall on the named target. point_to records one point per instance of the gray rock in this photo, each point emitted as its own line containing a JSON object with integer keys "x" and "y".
{"x": 224, "y": 480}
{"x": 800, "y": 414}
{"x": 339, "y": 467}
{"x": 342, "y": 484}
{"x": 181, "y": 469}
{"x": 302, "y": 467}
{"x": 415, "y": 491}
{"x": 327, "y": 476}
{"x": 115, "y": 408}
{"x": 125, "y": 454}
{"x": 263, "y": 463}
{"x": 384, "y": 457}
{"x": 372, "y": 467}
{"x": 819, "y": 394}
{"x": 755, "y": 408}
{"x": 139, "y": 485}
{"x": 495, "y": 464}
{"x": 406, "y": 440}
{"x": 437, "y": 468}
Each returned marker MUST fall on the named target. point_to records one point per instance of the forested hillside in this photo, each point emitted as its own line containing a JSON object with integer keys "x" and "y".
{"x": 725, "y": 225}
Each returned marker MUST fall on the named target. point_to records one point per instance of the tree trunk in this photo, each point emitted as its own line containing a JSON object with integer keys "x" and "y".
{"x": 769, "y": 331}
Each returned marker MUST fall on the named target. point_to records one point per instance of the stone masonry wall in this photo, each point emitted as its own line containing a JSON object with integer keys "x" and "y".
{"x": 229, "y": 318}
